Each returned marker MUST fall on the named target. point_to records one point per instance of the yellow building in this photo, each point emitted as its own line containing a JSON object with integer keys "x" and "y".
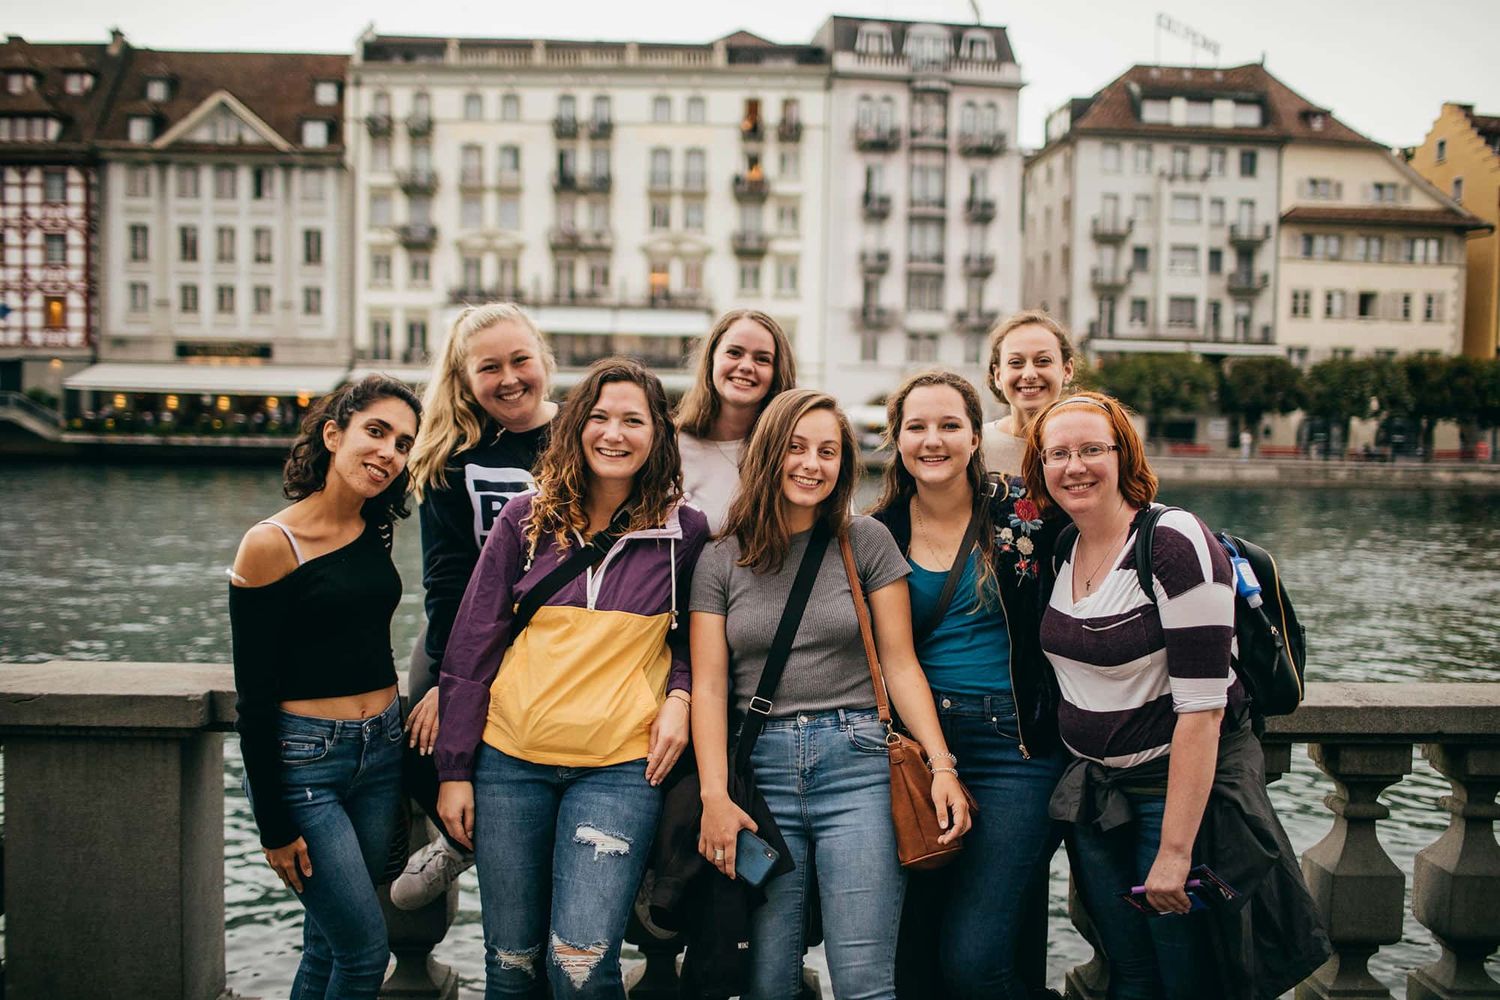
{"x": 1461, "y": 156}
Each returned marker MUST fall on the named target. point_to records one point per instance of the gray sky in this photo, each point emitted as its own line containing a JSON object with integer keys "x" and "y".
{"x": 1382, "y": 66}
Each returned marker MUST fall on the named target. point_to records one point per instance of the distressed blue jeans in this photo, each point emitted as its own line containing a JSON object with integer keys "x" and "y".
{"x": 342, "y": 782}
{"x": 826, "y": 778}
{"x": 1150, "y": 958}
{"x": 560, "y": 852}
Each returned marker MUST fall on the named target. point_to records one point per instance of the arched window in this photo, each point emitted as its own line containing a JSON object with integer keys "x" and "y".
{"x": 927, "y": 46}
{"x": 874, "y": 40}
{"x": 968, "y": 119}
{"x": 977, "y": 44}
{"x": 567, "y": 108}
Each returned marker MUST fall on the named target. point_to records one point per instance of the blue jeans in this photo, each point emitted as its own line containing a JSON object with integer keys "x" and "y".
{"x": 342, "y": 781}
{"x": 1149, "y": 957}
{"x": 984, "y": 889}
{"x": 826, "y": 778}
{"x": 569, "y": 842}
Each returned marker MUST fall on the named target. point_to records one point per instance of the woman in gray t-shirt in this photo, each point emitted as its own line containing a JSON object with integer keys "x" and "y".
{"x": 820, "y": 761}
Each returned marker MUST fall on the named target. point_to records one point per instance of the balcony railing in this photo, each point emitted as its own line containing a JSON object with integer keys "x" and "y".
{"x": 981, "y": 143}
{"x": 417, "y": 181}
{"x": 417, "y": 234}
{"x": 752, "y": 131}
{"x": 601, "y": 128}
{"x": 1247, "y": 283}
{"x": 750, "y": 243}
{"x": 874, "y": 261}
{"x": 877, "y": 138}
{"x": 598, "y": 183}
{"x": 925, "y": 260}
{"x": 1249, "y": 236}
{"x": 979, "y": 265}
{"x": 379, "y": 124}
{"x": 564, "y": 181}
{"x": 874, "y": 317}
{"x": 565, "y": 128}
{"x": 927, "y": 207}
{"x": 1110, "y": 279}
{"x": 471, "y": 178}
{"x": 695, "y": 183}
{"x": 508, "y": 180}
{"x": 1111, "y": 229}
{"x": 975, "y": 320}
{"x": 658, "y": 183}
{"x": 877, "y": 206}
{"x": 789, "y": 130}
{"x": 461, "y": 295}
{"x": 419, "y": 125}
{"x": 563, "y": 238}
{"x": 928, "y": 138}
{"x": 595, "y": 240}
{"x": 980, "y": 210}
{"x": 63, "y": 723}
{"x": 751, "y": 188}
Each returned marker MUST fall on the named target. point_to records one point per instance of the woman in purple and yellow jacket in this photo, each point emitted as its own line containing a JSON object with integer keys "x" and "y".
{"x": 553, "y": 741}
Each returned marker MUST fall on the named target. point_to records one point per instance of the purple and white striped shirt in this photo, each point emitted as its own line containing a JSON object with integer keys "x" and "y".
{"x": 1127, "y": 667}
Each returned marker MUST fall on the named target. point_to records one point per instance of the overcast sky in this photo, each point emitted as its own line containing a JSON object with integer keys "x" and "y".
{"x": 1384, "y": 67}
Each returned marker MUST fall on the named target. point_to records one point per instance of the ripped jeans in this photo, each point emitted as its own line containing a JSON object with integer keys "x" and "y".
{"x": 559, "y": 852}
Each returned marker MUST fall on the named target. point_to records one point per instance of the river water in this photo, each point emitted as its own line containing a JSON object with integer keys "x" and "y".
{"x": 127, "y": 563}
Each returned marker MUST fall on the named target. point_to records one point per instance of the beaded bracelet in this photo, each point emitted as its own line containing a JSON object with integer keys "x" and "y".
{"x": 944, "y": 754}
{"x": 946, "y": 770}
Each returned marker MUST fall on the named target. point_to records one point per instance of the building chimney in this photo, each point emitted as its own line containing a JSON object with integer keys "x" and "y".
{"x": 116, "y": 41}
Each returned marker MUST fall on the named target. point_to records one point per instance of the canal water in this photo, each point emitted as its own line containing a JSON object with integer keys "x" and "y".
{"x": 127, "y": 563}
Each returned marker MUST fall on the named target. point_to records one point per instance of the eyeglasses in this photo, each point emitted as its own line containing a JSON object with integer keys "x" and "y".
{"x": 1088, "y": 454}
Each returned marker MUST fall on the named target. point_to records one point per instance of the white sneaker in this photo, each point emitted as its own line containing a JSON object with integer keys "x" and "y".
{"x": 428, "y": 874}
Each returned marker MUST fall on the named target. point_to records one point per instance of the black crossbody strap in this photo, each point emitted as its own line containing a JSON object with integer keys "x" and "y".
{"x": 587, "y": 557}
{"x": 1145, "y": 534}
{"x": 781, "y": 644}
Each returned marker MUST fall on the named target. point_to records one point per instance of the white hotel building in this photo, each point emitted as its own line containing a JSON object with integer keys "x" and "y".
{"x": 627, "y": 193}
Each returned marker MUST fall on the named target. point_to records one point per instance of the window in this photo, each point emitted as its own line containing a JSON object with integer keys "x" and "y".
{"x": 1432, "y": 307}
{"x": 380, "y": 155}
{"x": 874, "y": 40}
{"x": 1140, "y": 259}
{"x": 1442, "y": 150}
{"x": 473, "y": 108}
{"x": 1406, "y": 305}
{"x": 977, "y": 45}
{"x": 1367, "y": 306}
{"x": 55, "y": 312}
{"x": 1140, "y": 208}
{"x": 925, "y": 240}
{"x": 140, "y": 243}
{"x": 1388, "y": 192}
{"x": 697, "y": 112}
{"x": 56, "y": 248}
{"x": 927, "y": 183}
{"x": 1333, "y": 304}
{"x": 661, "y": 109}
{"x": 326, "y": 93}
{"x": 137, "y": 182}
{"x": 187, "y": 182}
{"x": 1247, "y": 115}
{"x": 510, "y": 213}
{"x": 224, "y": 182}
{"x": 315, "y": 134}
{"x": 158, "y": 89}
{"x": 1183, "y": 260}
{"x": 1109, "y": 157}
{"x": 749, "y": 276}
{"x": 262, "y": 237}
{"x": 510, "y": 108}
{"x": 1458, "y": 189}
{"x": 1142, "y": 159}
{"x": 312, "y": 247}
{"x": 922, "y": 348}
{"x": 187, "y": 243}
{"x": 54, "y": 186}
{"x": 787, "y": 218}
{"x": 312, "y": 301}
{"x": 1422, "y": 250}
{"x": 1216, "y": 159}
{"x": 380, "y": 339}
{"x": 789, "y": 162}
{"x": 261, "y": 183}
{"x": 1180, "y": 160}
{"x": 1247, "y": 162}
{"x": 224, "y": 244}
{"x": 924, "y": 292}
{"x": 1182, "y": 311}
{"x": 1297, "y": 356}
{"x": 661, "y": 169}
{"x": 1301, "y": 303}
{"x": 224, "y": 299}
{"x": 692, "y": 215}
{"x": 78, "y": 83}
{"x": 1186, "y": 208}
{"x": 661, "y": 214}
{"x": 786, "y": 276}
{"x": 471, "y": 212}
{"x": 380, "y": 268}
{"x": 380, "y": 208}
{"x": 1216, "y": 211}
{"x": 141, "y": 128}
{"x": 694, "y": 170}
{"x": 692, "y": 275}
{"x": 419, "y": 268}
{"x": 1322, "y": 188}
{"x": 416, "y": 340}
{"x": 312, "y": 184}
{"x": 262, "y": 300}
{"x": 1369, "y": 248}
{"x": 187, "y": 298}
{"x": 1216, "y": 262}
{"x": 1319, "y": 247}
{"x": 1156, "y": 111}
{"x": 1138, "y": 312}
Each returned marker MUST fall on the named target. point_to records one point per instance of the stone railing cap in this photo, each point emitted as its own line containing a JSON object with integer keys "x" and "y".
{"x": 1413, "y": 711}
{"x": 113, "y": 695}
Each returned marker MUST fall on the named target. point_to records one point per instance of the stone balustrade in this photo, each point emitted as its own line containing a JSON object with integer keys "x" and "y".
{"x": 114, "y": 838}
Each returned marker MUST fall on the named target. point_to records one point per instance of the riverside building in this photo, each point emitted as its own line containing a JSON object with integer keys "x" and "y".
{"x": 862, "y": 189}
{"x": 225, "y": 197}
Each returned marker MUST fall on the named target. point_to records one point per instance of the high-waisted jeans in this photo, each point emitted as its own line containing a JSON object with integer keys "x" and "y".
{"x": 826, "y": 778}
{"x": 341, "y": 778}
{"x": 569, "y": 843}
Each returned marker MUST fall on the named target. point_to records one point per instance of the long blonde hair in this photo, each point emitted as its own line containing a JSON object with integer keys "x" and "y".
{"x": 700, "y": 404}
{"x": 455, "y": 420}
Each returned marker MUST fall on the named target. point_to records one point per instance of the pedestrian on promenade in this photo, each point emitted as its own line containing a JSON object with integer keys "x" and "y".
{"x": 820, "y": 761}
{"x": 1166, "y": 772}
{"x": 310, "y": 603}
{"x": 1031, "y": 364}
{"x": 565, "y": 688}
{"x": 487, "y": 415}
{"x": 981, "y": 653}
{"x": 745, "y": 361}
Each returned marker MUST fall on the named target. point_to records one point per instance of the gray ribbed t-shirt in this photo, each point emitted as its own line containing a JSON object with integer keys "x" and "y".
{"x": 826, "y": 668}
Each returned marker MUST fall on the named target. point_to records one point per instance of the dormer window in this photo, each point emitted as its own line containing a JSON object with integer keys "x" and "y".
{"x": 141, "y": 128}
{"x": 315, "y": 134}
{"x": 1315, "y": 120}
{"x": 19, "y": 83}
{"x": 158, "y": 89}
{"x": 978, "y": 45}
{"x": 874, "y": 40}
{"x": 78, "y": 83}
{"x": 1247, "y": 115}
{"x": 326, "y": 93}
{"x": 927, "y": 46}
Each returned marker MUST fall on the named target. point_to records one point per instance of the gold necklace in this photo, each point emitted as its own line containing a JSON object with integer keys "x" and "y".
{"x": 932, "y": 549}
{"x": 1088, "y": 581}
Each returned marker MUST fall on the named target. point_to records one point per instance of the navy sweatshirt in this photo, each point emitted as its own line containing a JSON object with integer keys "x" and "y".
{"x": 457, "y": 515}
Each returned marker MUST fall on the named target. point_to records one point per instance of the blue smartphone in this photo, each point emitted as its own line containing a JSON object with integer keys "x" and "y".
{"x": 753, "y": 858}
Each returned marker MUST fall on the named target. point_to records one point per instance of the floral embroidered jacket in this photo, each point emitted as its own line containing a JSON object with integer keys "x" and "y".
{"x": 1021, "y": 558}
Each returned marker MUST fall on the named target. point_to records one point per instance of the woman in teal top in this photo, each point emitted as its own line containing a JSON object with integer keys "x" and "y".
{"x": 989, "y": 680}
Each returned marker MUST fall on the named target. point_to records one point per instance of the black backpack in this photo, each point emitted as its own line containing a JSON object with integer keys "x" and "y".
{"x": 1272, "y": 643}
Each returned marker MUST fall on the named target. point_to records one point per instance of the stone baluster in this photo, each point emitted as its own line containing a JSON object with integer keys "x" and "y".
{"x": 1457, "y": 878}
{"x": 1357, "y": 886}
{"x": 413, "y": 934}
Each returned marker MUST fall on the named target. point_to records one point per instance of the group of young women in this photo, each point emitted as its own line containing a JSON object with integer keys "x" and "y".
{"x": 604, "y": 584}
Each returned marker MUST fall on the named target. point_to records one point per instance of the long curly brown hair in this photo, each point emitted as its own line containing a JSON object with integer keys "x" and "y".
{"x": 562, "y": 478}
{"x": 757, "y": 517}
{"x": 306, "y": 469}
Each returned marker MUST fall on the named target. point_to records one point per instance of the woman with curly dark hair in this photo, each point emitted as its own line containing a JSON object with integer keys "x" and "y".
{"x": 565, "y": 688}
{"x": 310, "y": 603}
